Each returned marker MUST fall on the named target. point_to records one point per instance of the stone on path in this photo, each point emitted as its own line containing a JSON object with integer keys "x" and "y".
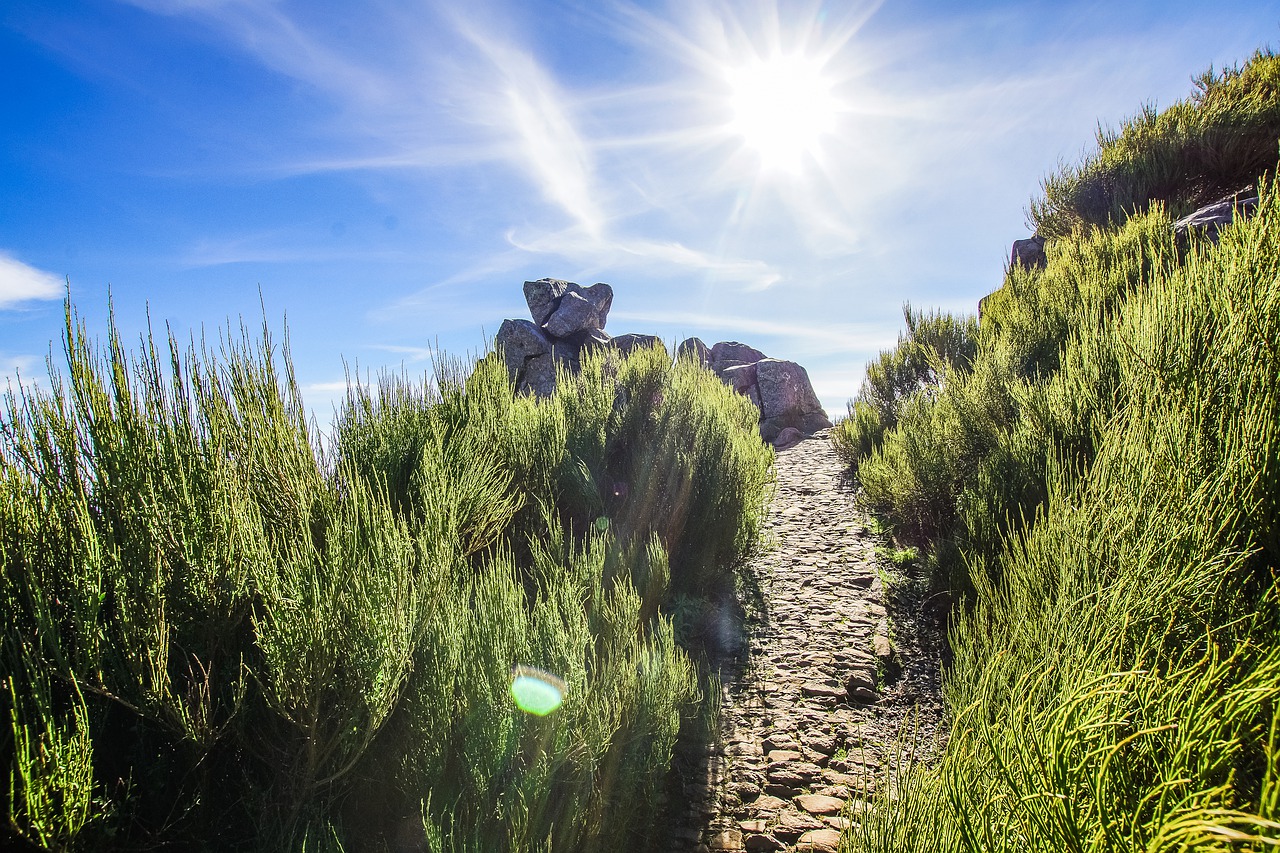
{"x": 762, "y": 842}
{"x": 819, "y": 841}
{"x": 789, "y": 437}
{"x": 817, "y": 804}
{"x": 794, "y": 824}
{"x": 725, "y": 839}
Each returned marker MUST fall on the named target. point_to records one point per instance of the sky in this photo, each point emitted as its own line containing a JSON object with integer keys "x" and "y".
{"x": 381, "y": 177}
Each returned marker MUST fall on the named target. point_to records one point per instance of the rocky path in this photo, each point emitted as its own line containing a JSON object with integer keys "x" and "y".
{"x": 807, "y": 721}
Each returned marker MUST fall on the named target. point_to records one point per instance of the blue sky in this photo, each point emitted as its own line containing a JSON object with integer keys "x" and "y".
{"x": 385, "y": 175}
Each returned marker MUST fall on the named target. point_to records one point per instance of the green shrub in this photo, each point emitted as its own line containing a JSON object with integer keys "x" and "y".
{"x": 1115, "y": 677}
{"x": 1195, "y": 152}
{"x": 857, "y": 435}
{"x": 220, "y": 636}
{"x": 934, "y": 347}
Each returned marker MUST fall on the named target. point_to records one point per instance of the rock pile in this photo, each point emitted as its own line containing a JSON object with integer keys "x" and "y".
{"x": 569, "y": 319}
{"x": 789, "y": 409}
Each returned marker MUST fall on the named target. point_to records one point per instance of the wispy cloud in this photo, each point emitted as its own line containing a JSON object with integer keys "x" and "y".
{"x": 280, "y": 246}
{"x": 535, "y": 112}
{"x": 411, "y": 354}
{"x": 323, "y": 389}
{"x": 21, "y": 282}
{"x": 635, "y": 254}
{"x": 630, "y": 173}
{"x": 284, "y": 43}
{"x": 831, "y": 337}
{"x": 16, "y": 369}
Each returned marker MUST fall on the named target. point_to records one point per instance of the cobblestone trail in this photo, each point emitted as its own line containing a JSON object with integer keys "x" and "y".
{"x": 804, "y": 728}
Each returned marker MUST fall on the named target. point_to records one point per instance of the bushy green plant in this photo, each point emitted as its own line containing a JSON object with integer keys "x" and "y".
{"x": 858, "y": 434}
{"x": 1214, "y": 143}
{"x": 934, "y": 346}
{"x": 1115, "y": 677}
{"x": 671, "y": 451}
{"x": 219, "y": 635}
{"x": 968, "y": 459}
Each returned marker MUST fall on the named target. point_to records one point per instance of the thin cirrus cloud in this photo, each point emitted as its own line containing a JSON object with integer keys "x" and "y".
{"x": 21, "y": 283}
{"x": 410, "y": 354}
{"x": 602, "y": 158}
{"x": 624, "y": 167}
{"x": 21, "y": 370}
{"x": 834, "y": 337}
{"x": 522, "y": 100}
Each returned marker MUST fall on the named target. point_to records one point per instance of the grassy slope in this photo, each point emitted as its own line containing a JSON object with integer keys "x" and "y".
{"x": 216, "y": 637}
{"x": 1098, "y": 486}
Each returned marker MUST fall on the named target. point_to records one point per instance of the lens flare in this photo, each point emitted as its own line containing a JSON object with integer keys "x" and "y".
{"x": 536, "y": 691}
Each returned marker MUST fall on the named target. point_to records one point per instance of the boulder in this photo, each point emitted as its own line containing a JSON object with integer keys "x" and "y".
{"x": 519, "y": 341}
{"x": 574, "y": 314}
{"x": 546, "y": 297}
{"x": 1029, "y": 253}
{"x": 696, "y": 348}
{"x": 539, "y": 376}
{"x": 580, "y": 342}
{"x": 787, "y": 399}
{"x": 731, "y": 353}
{"x": 740, "y": 377}
{"x": 626, "y": 344}
{"x": 1213, "y": 216}
{"x": 543, "y": 297}
{"x": 601, "y": 296}
{"x": 789, "y": 437}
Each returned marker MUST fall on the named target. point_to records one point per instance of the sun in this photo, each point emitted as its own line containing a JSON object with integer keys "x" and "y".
{"x": 782, "y": 107}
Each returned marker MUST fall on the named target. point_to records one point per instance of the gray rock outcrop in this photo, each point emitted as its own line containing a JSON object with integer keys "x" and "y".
{"x": 628, "y": 343}
{"x": 1210, "y": 218}
{"x": 787, "y": 399}
{"x": 781, "y": 390}
{"x": 1029, "y": 253}
{"x": 697, "y": 348}
{"x": 731, "y": 353}
{"x": 568, "y": 320}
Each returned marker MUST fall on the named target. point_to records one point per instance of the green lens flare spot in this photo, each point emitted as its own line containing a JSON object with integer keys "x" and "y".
{"x": 602, "y": 524}
{"x": 536, "y": 691}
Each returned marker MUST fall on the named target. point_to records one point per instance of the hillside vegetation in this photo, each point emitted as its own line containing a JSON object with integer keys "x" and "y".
{"x": 218, "y": 636}
{"x": 1093, "y": 473}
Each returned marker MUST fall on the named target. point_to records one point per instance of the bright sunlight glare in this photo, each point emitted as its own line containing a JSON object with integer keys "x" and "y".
{"x": 782, "y": 107}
